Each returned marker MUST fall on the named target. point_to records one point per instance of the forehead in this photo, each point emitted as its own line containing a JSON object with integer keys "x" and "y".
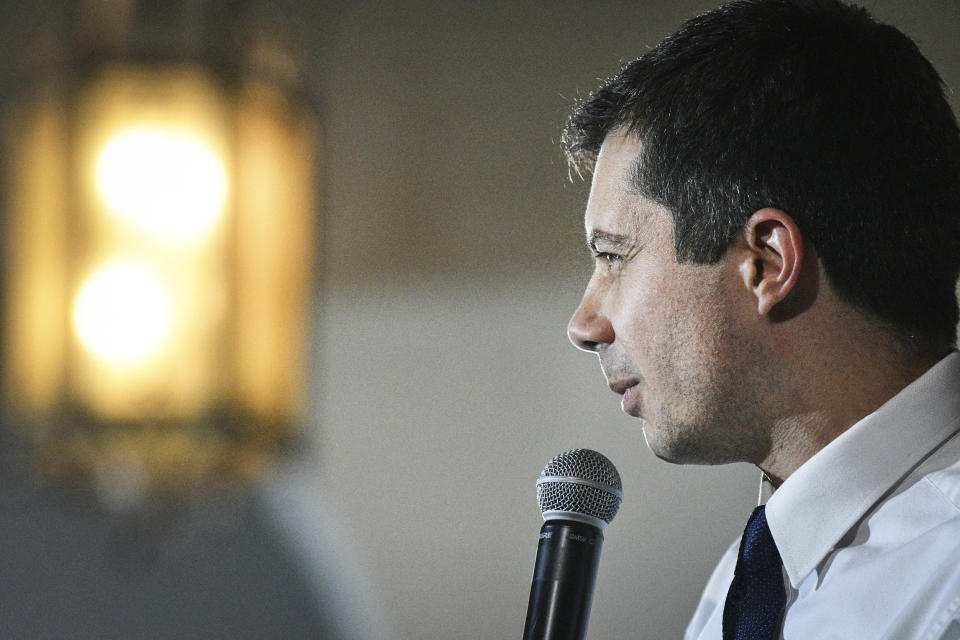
{"x": 618, "y": 154}
{"x": 615, "y": 205}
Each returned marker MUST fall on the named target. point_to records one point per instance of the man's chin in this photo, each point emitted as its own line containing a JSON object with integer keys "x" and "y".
{"x": 677, "y": 447}
{"x": 656, "y": 445}
{"x": 668, "y": 454}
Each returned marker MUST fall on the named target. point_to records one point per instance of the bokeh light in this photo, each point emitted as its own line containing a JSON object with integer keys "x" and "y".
{"x": 168, "y": 182}
{"x": 122, "y": 314}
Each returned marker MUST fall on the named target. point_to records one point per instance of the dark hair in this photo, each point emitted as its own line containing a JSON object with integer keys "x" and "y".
{"x": 812, "y": 107}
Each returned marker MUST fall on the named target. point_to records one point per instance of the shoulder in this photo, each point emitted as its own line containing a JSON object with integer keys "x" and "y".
{"x": 900, "y": 568}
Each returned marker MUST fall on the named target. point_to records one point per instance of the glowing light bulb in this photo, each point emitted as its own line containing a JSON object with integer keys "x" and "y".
{"x": 166, "y": 181}
{"x": 122, "y": 314}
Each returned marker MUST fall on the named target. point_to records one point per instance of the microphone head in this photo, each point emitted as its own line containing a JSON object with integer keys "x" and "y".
{"x": 580, "y": 485}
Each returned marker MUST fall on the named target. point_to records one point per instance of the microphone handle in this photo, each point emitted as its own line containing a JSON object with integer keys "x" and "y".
{"x": 563, "y": 578}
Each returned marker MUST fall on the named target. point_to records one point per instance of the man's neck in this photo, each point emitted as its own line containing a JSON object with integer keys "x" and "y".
{"x": 836, "y": 393}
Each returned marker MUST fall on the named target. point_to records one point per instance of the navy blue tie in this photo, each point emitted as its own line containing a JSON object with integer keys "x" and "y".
{"x": 756, "y": 597}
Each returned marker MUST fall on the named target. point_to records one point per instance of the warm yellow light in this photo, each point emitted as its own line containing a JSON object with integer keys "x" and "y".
{"x": 167, "y": 181}
{"x": 122, "y": 314}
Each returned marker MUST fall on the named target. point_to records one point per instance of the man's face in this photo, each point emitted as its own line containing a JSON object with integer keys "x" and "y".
{"x": 671, "y": 338}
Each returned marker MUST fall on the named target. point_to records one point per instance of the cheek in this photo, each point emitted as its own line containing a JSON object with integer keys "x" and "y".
{"x": 646, "y": 318}
{"x": 679, "y": 332}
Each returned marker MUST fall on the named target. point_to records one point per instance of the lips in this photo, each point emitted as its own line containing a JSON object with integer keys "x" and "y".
{"x": 629, "y": 390}
{"x": 621, "y": 386}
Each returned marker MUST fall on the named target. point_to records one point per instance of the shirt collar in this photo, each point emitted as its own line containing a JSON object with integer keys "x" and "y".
{"x": 827, "y": 495}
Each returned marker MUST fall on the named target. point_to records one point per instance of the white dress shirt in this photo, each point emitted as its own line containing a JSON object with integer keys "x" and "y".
{"x": 869, "y": 527}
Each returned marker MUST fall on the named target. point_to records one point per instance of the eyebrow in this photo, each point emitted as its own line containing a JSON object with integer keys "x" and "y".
{"x": 608, "y": 239}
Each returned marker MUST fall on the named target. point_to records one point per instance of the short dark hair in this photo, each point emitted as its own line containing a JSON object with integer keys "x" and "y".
{"x": 812, "y": 107}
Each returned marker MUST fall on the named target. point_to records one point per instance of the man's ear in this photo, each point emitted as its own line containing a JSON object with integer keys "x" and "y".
{"x": 771, "y": 265}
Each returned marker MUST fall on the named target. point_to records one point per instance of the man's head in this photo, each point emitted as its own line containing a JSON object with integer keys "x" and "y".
{"x": 795, "y": 151}
{"x": 811, "y": 107}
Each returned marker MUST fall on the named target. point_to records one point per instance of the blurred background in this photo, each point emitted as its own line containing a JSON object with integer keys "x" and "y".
{"x": 377, "y": 248}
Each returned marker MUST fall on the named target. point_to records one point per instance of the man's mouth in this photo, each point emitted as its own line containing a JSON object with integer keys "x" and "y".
{"x": 621, "y": 386}
{"x": 629, "y": 389}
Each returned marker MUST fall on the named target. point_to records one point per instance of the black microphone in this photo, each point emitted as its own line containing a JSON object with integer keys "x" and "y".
{"x": 579, "y": 492}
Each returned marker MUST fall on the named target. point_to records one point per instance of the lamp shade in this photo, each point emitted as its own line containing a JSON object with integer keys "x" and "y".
{"x": 160, "y": 243}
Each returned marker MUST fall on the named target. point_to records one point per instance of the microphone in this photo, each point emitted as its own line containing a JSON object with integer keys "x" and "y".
{"x": 579, "y": 492}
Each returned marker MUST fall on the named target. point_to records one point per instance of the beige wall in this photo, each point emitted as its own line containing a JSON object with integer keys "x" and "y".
{"x": 453, "y": 262}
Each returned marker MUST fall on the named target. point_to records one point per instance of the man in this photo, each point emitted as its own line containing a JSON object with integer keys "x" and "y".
{"x": 775, "y": 219}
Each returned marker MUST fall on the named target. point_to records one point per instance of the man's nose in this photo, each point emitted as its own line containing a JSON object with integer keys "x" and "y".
{"x": 589, "y": 328}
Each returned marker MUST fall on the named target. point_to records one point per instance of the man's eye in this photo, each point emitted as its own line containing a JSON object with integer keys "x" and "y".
{"x": 610, "y": 260}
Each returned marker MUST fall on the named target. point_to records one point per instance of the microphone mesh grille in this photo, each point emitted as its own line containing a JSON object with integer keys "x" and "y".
{"x": 601, "y": 501}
